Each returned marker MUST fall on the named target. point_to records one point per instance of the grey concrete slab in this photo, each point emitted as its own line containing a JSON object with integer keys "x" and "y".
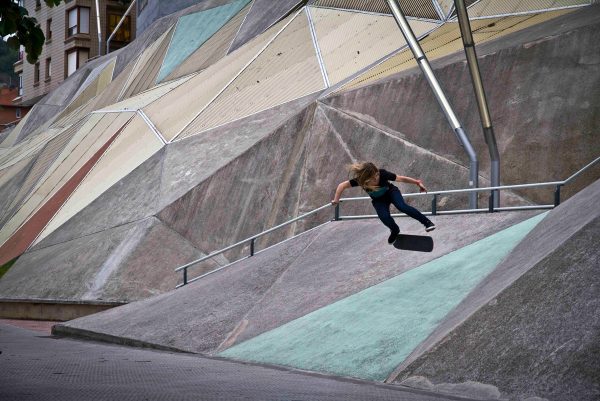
{"x": 261, "y": 16}
{"x": 287, "y": 281}
{"x": 10, "y": 189}
{"x": 39, "y": 367}
{"x": 543, "y": 91}
{"x": 124, "y": 263}
{"x": 539, "y": 336}
{"x": 192, "y": 160}
{"x": 201, "y": 315}
{"x": 131, "y": 199}
{"x": 561, "y": 224}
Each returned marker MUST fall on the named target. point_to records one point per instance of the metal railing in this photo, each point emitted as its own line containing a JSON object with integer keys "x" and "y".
{"x": 434, "y": 211}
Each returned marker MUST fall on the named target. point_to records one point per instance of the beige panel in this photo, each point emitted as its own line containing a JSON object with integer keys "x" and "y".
{"x": 134, "y": 145}
{"x": 351, "y": 41}
{"x": 213, "y": 49}
{"x": 44, "y": 160}
{"x": 96, "y": 86}
{"x": 93, "y": 134}
{"x": 142, "y": 63}
{"x": 286, "y": 70}
{"x": 26, "y": 148}
{"x": 146, "y": 77}
{"x": 6, "y": 174}
{"x": 14, "y": 134}
{"x": 106, "y": 97}
{"x": 447, "y": 40}
{"x": 494, "y": 7}
{"x": 145, "y": 98}
{"x": 446, "y": 6}
{"x": 171, "y": 113}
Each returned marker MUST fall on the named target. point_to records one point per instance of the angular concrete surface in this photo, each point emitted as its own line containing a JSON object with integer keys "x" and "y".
{"x": 542, "y": 91}
{"x": 539, "y": 334}
{"x": 261, "y": 16}
{"x": 286, "y": 282}
{"x": 125, "y": 263}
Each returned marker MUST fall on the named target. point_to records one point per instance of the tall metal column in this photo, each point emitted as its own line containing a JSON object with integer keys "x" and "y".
{"x": 419, "y": 55}
{"x": 484, "y": 113}
{"x": 99, "y": 28}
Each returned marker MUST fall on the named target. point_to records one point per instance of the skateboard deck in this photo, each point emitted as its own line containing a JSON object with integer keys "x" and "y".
{"x": 419, "y": 243}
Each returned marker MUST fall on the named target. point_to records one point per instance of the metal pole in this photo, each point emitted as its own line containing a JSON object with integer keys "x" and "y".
{"x": 99, "y": 28}
{"x": 336, "y": 213}
{"x": 419, "y": 55}
{"x": 252, "y": 247}
{"x": 118, "y": 26}
{"x": 484, "y": 113}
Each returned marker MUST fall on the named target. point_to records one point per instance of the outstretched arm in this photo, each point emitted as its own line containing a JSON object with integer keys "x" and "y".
{"x": 338, "y": 192}
{"x": 408, "y": 180}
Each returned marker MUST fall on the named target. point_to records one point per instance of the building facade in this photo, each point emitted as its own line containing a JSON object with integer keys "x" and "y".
{"x": 71, "y": 32}
{"x": 10, "y": 113}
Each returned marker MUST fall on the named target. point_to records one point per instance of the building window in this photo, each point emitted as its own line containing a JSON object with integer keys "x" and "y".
{"x": 20, "y": 84}
{"x": 124, "y": 32}
{"x": 48, "y": 68}
{"x": 18, "y": 112}
{"x": 76, "y": 58}
{"x": 36, "y": 74}
{"x": 38, "y": 4}
{"x": 21, "y": 53}
{"x": 78, "y": 21}
{"x": 49, "y": 30}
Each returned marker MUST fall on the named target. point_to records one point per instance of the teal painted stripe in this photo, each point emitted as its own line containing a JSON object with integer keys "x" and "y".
{"x": 368, "y": 334}
{"x": 195, "y": 29}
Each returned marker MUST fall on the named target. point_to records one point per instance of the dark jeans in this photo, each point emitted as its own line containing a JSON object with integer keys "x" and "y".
{"x": 393, "y": 196}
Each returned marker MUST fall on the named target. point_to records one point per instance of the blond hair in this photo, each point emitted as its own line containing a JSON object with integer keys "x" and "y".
{"x": 363, "y": 172}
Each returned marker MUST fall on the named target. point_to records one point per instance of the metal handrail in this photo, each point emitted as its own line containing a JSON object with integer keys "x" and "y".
{"x": 337, "y": 217}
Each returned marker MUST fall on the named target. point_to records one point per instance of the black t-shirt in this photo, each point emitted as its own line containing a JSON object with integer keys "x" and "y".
{"x": 383, "y": 184}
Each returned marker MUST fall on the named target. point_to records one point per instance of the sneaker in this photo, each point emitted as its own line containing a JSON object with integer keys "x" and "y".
{"x": 429, "y": 226}
{"x": 393, "y": 237}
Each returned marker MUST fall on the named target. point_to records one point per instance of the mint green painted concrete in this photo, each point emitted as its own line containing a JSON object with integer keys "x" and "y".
{"x": 370, "y": 333}
{"x": 193, "y": 30}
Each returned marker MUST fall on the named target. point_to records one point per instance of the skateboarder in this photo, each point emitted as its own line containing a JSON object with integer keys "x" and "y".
{"x": 376, "y": 182}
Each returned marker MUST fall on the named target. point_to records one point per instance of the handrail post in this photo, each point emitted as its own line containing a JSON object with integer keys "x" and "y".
{"x": 252, "y": 247}
{"x": 491, "y": 202}
{"x": 434, "y": 205}
{"x": 336, "y": 212}
{"x": 185, "y": 276}
{"x": 557, "y": 195}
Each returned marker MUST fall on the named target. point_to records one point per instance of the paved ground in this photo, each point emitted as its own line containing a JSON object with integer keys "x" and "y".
{"x": 39, "y": 367}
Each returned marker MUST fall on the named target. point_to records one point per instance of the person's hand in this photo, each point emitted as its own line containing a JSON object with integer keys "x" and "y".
{"x": 334, "y": 202}
{"x": 422, "y": 187}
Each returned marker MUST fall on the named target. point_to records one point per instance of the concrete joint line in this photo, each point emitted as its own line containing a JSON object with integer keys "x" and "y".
{"x": 174, "y": 28}
{"x": 339, "y": 138}
{"x": 152, "y": 126}
{"x": 313, "y": 35}
{"x": 240, "y": 28}
{"x": 236, "y": 76}
{"x": 523, "y": 13}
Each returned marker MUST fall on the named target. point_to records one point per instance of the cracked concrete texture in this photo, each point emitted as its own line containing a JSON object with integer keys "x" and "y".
{"x": 539, "y": 330}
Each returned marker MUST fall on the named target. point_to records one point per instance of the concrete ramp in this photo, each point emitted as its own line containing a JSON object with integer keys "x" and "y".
{"x": 286, "y": 282}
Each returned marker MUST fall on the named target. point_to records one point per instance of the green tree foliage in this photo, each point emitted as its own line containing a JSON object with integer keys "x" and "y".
{"x": 8, "y": 57}
{"x": 25, "y": 30}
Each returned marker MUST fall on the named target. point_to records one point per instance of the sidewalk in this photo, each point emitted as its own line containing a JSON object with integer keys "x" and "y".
{"x": 37, "y": 366}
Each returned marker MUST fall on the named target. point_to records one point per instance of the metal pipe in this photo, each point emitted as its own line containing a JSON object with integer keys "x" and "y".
{"x": 419, "y": 55}
{"x": 118, "y": 26}
{"x": 99, "y": 28}
{"x": 484, "y": 113}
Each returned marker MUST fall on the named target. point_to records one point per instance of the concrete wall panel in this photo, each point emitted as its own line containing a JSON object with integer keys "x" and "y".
{"x": 212, "y": 50}
{"x": 288, "y": 69}
{"x": 134, "y": 145}
{"x": 491, "y": 8}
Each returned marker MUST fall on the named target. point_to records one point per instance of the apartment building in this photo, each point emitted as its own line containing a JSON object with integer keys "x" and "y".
{"x": 71, "y": 32}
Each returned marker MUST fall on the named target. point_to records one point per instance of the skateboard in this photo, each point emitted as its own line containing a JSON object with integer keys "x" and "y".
{"x": 419, "y": 243}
